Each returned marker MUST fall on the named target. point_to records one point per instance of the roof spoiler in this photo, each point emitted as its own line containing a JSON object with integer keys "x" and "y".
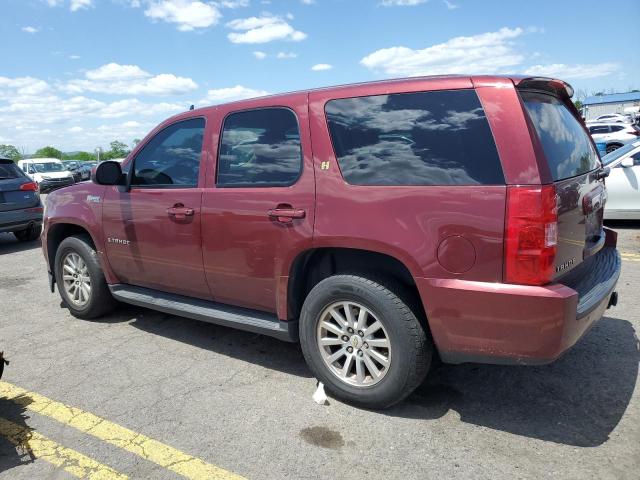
{"x": 548, "y": 85}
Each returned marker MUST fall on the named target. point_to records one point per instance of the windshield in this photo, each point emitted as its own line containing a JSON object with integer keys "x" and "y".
{"x": 49, "y": 167}
{"x": 620, "y": 152}
{"x": 566, "y": 145}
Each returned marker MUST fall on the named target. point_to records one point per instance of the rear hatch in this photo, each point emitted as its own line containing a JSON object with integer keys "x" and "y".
{"x": 574, "y": 169}
{"x": 11, "y": 196}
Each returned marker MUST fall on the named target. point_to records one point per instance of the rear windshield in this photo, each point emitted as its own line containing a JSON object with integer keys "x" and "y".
{"x": 9, "y": 170}
{"x": 566, "y": 145}
{"x": 423, "y": 138}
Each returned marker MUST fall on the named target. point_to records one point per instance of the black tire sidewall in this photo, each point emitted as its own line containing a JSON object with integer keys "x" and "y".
{"x": 387, "y": 307}
{"x": 82, "y": 248}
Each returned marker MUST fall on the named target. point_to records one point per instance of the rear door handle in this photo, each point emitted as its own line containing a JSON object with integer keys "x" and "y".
{"x": 180, "y": 212}
{"x": 286, "y": 215}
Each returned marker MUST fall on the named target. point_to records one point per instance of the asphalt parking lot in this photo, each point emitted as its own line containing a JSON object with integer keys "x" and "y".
{"x": 141, "y": 394}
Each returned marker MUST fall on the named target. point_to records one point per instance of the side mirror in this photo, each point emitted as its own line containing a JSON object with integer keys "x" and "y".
{"x": 107, "y": 173}
{"x": 627, "y": 162}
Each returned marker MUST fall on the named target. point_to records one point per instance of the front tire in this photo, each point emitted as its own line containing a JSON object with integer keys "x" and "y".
{"x": 80, "y": 280}
{"x": 363, "y": 341}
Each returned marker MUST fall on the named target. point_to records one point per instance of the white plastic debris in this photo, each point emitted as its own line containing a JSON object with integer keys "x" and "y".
{"x": 319, "y": 396}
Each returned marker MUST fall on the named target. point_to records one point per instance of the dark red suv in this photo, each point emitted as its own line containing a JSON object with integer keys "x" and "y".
{"x": 379, "y": 224}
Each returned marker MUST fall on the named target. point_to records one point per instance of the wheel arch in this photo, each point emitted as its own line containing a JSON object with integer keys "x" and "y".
{"x": 57, "y": 232}
{"x": 313, "y": 265}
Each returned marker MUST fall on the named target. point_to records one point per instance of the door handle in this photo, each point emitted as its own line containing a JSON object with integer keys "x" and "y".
{"x": 286, "y": 214}
{"x": 180, "y": 212}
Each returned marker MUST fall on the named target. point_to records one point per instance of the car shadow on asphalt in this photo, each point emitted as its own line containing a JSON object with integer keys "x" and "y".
{"x": 14, "y": 434}
{"x": 249, "y": 347}
{"x": 9, "y": 244}
{"x": 577, "y": 400}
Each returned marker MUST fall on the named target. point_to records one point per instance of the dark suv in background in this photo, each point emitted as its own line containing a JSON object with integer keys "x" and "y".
{"x": 379, "y": 224}
{"x": 20, "y": 207}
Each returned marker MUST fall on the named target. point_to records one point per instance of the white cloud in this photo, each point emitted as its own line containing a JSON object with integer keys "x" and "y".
{"x": 577, "y": 71}
{"x": 30, "y": 29}
{"x": 80, "y": 4}
{"x": 239, "y": 92}
{"x": 74, "y": 57}
{"x": 263, "y": 29}
{"x": 308, "y": 2}
{"x": 491, "y": 52}
{"x": 232, "y": 3}
{"x": 321, "y": 67}
{"x": 186, "y": 14}
{"x": 285, "y": 55}
{"x": 260, "y": 55}
{"x": 401, "y": 3}
{"x": 119, "y": 79}
{"x": 75, "y": 129}
{"x": 451, "y": 5}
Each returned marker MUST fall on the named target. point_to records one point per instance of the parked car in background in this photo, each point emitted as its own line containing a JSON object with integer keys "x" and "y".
{"x": 613, "y": 118}
{"x": 610, "y": 136}
{"x": 376, "y": 223}
{"x": 623, "y": 183}
{"x": 20, "y": 207}
{"x": 85, "y": 170}
{"x": 48, "y": 173}
{"x": 74, "y": 167}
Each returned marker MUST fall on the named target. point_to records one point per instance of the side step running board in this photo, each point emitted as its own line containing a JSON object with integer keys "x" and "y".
{"x": 207, "y": 311}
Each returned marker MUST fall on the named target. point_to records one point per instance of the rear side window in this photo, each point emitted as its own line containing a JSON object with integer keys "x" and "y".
{"x": 172, "y": 157}
{"x": 260, "y": 148}
{"x": 616, "y": 128}
{"x": 566, "y": 145}
{"x": 424, "y": 138}
{"x": 599, "y": 129}
{"x": 9, "y": 170}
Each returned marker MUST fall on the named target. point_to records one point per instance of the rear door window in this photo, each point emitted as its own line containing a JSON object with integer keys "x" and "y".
{"x": 566, "y": 145}
{"x": 423, "y": 138}
{"x": 260, "y": 148}
{"x": 599, "y": 129}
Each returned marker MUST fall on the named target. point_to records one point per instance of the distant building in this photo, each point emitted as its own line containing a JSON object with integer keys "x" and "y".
{"x": 624, "y": 103}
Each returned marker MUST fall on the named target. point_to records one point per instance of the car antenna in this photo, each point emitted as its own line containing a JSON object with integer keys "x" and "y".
{"x": 191, "y": 107}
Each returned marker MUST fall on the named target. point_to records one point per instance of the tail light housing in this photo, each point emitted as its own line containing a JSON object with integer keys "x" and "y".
{"x": 531, "y": 234}
{"x": 29, "y": 187}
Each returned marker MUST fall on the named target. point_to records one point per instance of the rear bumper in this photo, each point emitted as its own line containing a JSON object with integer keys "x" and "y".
{"x": 515, "y": 324}
{"x": 14, "y": 220}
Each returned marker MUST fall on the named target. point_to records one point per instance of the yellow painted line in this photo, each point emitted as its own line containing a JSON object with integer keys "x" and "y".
{"x": 630, "y": 258}
{"x": 114, "y": 434}
{"x": 69, "y": 460}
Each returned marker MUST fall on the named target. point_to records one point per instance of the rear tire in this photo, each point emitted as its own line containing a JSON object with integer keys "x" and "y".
{"x": 80, "y": 280}
{"x": 339, "y": 353}
{"x": 29, "y": 234}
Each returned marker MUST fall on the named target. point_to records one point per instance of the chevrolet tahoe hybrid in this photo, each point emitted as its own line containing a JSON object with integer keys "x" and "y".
{"x": 378, "y": 224}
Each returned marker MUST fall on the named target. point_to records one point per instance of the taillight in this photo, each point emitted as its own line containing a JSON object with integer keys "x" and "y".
{"x": 29, "y": 187}
{"x": 531, "y": 234}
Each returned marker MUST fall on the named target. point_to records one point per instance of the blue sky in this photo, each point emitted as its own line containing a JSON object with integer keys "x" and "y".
{"x": 77, "y": 74}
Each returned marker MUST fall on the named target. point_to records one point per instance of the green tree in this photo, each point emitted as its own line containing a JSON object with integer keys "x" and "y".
{"x": 9, "y": 151}
{"x": 118, "y": 150}
{"x": 83, "y": 156}
{"x": 48, "y": 152}
{"x": 136, "y": 141}
{"x": 578, "y": 104}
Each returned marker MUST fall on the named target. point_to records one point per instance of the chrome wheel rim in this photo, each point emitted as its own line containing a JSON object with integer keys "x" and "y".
{"x": 354, "y": 344}
{"x": 76, "y": 279}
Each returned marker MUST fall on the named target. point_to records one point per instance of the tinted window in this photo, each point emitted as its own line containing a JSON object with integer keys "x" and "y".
{"x": 616, "y": 128}
{"x": 425, "y": 138}
{"x": 260, "y": 148}
{"x": 10, "y": 170}
{"x": 566, "y": 145}
{"x": 172, "y": 157}
{"x": 599, "y": 129}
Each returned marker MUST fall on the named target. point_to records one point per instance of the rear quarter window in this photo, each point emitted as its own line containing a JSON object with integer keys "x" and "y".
{"x": 423, "y": 138}
{"x": 566, "y": 145}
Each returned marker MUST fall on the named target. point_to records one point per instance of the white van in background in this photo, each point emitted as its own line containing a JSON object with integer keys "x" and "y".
{"x": 48, "y": 173}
